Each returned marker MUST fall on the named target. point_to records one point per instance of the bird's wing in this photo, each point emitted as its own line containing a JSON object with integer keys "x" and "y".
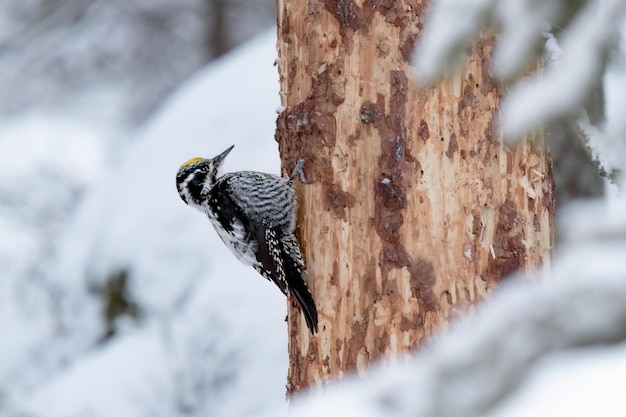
{"x": 263, "y": 198}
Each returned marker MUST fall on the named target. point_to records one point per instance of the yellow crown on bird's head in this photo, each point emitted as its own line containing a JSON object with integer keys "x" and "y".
{"x": 190, "y": 162}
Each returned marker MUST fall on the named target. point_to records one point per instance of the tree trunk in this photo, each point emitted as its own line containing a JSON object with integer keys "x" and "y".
{"x": 413, "y": 207}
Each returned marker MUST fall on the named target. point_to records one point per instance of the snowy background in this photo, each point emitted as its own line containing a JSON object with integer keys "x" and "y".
{"x": 114, "y": 299}
{"x": 118, "y": 300}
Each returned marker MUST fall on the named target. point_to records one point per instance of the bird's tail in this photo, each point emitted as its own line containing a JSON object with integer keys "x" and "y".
{"x": 303, "y": 295}
{"x": 299, "y": 289}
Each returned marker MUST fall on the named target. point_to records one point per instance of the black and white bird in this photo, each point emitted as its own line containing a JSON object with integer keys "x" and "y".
{"x": 254, "y": 214}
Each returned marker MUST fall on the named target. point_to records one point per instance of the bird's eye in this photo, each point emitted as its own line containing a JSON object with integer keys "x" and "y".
{"x": 195, "y": 185}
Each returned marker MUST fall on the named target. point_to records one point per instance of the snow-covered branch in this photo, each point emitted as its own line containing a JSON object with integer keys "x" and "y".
{"x": 582, "y": 46}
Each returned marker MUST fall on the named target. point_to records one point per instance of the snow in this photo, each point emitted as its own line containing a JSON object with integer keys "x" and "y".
{"x": 46, "y": 162}
{"x": 53, "y": 142}
{"x": 583, "y": 55}
{"x": 607, "y": 141}
{"x": 451, "y": 24}
{"x": 565, "y": 85}
{"x": 584, "y": 383}
{"x": 210, "y": 331}
{"x": 92, "y": 385}
{"x": 523, "y": 24}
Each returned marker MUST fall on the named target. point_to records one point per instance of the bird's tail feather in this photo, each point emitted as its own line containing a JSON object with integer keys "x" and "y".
{"x": 308, "y": 307}
{"x": 299, "y": 289}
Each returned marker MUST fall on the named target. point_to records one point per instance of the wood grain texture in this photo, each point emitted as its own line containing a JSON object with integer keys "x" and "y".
{"x": 414, "y": 209}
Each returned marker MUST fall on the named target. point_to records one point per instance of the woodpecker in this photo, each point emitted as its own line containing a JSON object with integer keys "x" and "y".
{"x": 254, "y": 214}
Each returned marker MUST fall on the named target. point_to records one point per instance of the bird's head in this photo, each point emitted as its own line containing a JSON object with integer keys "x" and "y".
{"x": 197, "y": 174}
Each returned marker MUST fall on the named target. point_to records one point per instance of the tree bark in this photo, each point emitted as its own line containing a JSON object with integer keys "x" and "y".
{"x": 413, "y": 208}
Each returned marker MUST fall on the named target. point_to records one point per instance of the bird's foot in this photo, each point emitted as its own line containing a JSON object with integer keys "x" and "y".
{"x": 298, "y": 171}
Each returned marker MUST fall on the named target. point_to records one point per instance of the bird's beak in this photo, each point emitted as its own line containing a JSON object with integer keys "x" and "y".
{"x": 217, "y": 161}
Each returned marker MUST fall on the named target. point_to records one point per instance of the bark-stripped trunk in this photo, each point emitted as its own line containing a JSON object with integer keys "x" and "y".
{"x": 414, "y": 208}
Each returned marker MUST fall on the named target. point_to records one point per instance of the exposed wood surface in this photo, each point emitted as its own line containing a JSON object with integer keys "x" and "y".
{"x": 413, "y": 209}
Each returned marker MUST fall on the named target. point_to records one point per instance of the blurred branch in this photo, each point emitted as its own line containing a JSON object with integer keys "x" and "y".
{"x": 62, "y": 13}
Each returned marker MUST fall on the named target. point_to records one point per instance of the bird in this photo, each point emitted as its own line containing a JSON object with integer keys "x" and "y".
{"x": 254, "y": 214}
